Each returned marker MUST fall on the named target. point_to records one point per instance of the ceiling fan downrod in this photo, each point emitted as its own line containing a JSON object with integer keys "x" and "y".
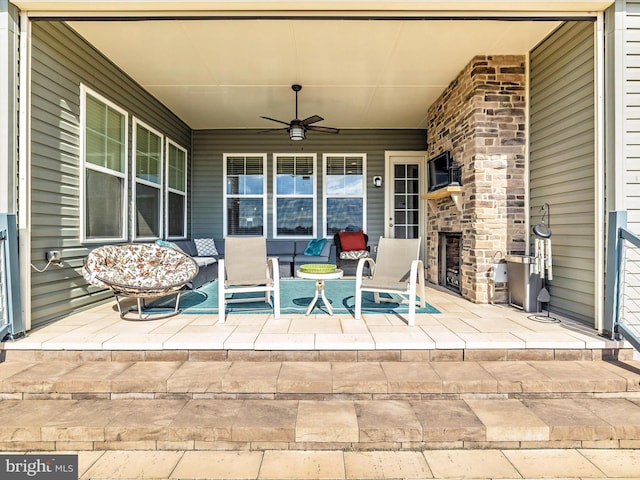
{"x": 296, "y": 88}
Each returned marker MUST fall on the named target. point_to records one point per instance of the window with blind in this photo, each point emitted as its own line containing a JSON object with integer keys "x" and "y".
{"x": 294, "y": 195}
{"x": 245, "y": 198}
{"x": 176, "y": 191}
{"x": 104, "y": 167}
{"x": 147, "y": 182}
{"x": 344, "y": 192}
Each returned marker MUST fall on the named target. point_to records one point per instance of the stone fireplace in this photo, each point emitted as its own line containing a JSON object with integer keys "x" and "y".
{"x": 480, "y": 118}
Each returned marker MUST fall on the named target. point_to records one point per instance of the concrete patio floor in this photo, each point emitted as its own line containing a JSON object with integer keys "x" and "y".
{"x": 461, "y": 326}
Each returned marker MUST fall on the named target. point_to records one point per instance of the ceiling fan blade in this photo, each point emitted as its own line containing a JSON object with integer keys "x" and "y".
{"x": 317, "y": 128}
{"x": 312, "y": 119}
{"x": 274, "y": 120}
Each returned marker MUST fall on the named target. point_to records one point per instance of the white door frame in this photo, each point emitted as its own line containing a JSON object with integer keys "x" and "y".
{"x": 390, "y": 159}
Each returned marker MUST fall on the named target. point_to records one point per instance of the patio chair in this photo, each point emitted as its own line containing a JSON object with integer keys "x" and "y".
{"x": 141, "y": 271}
{"x": 245, "y": 268}
{"x": 396, "y": 270}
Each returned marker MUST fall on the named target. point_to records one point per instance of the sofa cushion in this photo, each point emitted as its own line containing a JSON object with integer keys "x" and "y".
{"x": 187, "y": 246}
{"x": 303, "y": 259}
{"x": 352, "y": 241}
{"x": 354, "y": 254}
{"x": 280, "y": 248}
{"x": 206, "y": 247}
{"x": 315, "y": 246}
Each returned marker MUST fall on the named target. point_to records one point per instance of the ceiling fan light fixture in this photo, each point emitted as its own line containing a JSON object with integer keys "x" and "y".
{"x": 296, "y": 132}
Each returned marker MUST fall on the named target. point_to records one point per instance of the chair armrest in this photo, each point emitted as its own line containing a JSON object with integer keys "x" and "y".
{"x": 361, "y": 264}
{"x": 273, "y": 264}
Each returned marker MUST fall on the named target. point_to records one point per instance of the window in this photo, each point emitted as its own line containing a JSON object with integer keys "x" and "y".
{"x": 344, "y": 192}
{"x": 104, "y": 168}
{"x": 147, "y": 182}
{"x": 244, "y": 197}
{"x": 294, "y": 199}
{"x": 176, "y": 191}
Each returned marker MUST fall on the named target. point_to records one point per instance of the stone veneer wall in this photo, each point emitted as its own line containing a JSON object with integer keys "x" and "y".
{"x": 481, "y": 119}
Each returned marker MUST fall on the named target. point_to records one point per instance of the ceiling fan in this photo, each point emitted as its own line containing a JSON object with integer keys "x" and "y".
{"x": 298, "y": 128}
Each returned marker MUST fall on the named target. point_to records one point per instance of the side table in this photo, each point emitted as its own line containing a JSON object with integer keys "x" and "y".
{"x": 320, "y": 278}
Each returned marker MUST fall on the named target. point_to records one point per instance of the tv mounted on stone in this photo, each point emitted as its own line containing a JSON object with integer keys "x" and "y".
{"x": 438, "y": 171}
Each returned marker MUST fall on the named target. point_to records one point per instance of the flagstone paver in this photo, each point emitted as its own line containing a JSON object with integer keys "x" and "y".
{"x": 327, "y": 421}
{"x": 450, "y": 421}
{"x": 133, "y": 464}
{"x": 568, "y": 420}
{"x": 198, "y": 377}
{"x": 251, "y": 377}
{"x": 305, "y": 377}
{"x": 91, "y": 377}
{"x": 142, "y": 419}
{"x": 518, "y": 377}
{"x": 387, "y": 421}
{"x": 623, "y": 415}
{"x": 522, "y": 425}
{"x": 576, "y": 376}
{"x": 359, "y": 377}
{"x": 472, "y": 378}
{"x": 266, "y": 420}
{"x": 204, "y": 420}
{"x": 615, "y": 463}
{"x": 302, "y": 465}
{"x": 385, "y": 465}
{"x": 144, "y": 377}
{"x": 411, "y": 377}
{"x": 218, "y": 465}
{"x": 470, "y": 464}
{"x": 552, "y": 464}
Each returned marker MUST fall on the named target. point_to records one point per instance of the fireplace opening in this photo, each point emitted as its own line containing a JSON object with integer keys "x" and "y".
{"x": 449, "y": 259}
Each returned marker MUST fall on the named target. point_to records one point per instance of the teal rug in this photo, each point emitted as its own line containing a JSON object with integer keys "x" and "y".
{"x": 295, "y": 296}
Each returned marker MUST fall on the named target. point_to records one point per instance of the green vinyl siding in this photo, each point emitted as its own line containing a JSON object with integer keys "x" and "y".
{"x": 207, "y": 169}
{"x": 562, "y": 162}
{"x": 60, "y": 62}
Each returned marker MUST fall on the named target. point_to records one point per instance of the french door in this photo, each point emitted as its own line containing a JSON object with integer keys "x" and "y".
{"x": 403, "y": 214}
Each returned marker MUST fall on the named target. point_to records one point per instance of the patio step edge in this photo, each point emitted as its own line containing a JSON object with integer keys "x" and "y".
{"x": 12, "y": 352}
{"x": 298, "y": 425}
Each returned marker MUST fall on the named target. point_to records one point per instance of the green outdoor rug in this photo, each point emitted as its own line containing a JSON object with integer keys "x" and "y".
{"x": 295, "y": 296}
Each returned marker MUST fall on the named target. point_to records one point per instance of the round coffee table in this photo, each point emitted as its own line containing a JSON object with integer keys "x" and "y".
{"x": 320, "y": 278}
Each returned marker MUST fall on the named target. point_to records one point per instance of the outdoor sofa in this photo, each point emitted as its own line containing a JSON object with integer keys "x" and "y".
{"x": 290, "y": 254}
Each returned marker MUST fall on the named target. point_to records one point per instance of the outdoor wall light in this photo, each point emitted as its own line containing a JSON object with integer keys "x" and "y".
{"x": 377, "y": 181}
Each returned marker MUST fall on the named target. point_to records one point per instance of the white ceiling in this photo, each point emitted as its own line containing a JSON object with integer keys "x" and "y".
{"x": 355, "y": 73}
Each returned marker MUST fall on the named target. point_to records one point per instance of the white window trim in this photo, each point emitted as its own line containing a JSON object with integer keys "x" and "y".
{"x": 264, "y": 189}
{"x": 313, "y": 195}
{"x": 135, "y": 180}
{"x": 169, "y": 190}
{"x": 84, "y": 165}
{"x": 324, "y": 188}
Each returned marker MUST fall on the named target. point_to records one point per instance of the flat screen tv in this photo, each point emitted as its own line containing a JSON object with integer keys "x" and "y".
{"x": 438, "y": 171}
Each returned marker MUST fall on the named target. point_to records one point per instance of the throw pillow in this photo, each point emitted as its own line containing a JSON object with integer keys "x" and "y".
{"x": 206, "y": 247}
{"x": 165, "y": 243}
{"x": 354, "y": 254}
{"x": 314, "y": 247}
{"x": 352, "y": 241}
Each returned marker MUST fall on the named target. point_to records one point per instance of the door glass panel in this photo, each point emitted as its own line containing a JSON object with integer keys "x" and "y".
{"x": 406, "y": 200}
